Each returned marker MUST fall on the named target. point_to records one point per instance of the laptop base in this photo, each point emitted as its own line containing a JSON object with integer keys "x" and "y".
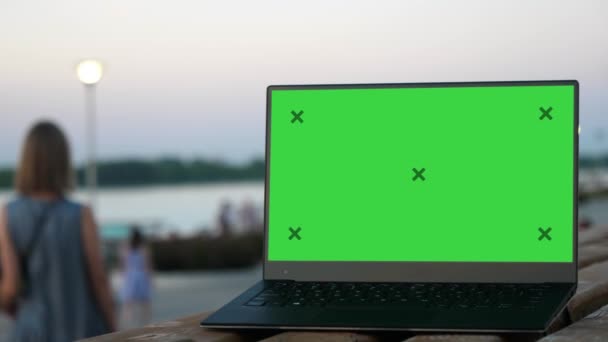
{"x": 496, "y": 318}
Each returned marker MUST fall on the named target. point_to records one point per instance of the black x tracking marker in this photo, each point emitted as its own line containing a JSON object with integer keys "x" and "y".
{"x": 544, "y": 233}
{"x": 418, "y": 174}
{"x": 295, "y": 233}
{"x": 297, "y": 116}
{"x": 546, "y": 113}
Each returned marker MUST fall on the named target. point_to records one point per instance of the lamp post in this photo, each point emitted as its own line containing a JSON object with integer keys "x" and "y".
{"x": 90, "y": 73}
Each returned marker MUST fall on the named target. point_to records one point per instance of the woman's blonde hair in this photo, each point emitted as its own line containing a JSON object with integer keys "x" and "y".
{"x": 45, "y": 161}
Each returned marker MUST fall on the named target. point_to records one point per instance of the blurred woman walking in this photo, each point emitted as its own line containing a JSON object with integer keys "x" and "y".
{"x": 53, "y": 280}
{"x": 136, "y": 290}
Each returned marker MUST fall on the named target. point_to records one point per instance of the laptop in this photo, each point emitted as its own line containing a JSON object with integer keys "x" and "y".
{"x": 416, "y": 207}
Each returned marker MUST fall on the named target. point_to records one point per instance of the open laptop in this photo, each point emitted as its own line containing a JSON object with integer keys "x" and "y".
{"x": 420, "y": 207}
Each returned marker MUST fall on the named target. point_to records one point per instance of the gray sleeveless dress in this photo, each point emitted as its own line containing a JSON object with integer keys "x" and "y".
{"x": 57, "y": 302}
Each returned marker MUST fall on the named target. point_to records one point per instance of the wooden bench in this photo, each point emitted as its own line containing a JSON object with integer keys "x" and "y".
{"x": 585, "y": 317}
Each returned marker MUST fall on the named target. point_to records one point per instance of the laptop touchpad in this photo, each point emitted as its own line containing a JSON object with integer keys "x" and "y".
{"x": 377, "y": 317}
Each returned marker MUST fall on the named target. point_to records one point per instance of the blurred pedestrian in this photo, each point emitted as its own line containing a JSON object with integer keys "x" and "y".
{"x": 137, "y": 275}
{"x": 53, "y": 280}
{"x": 249, "y": 216}
{"x": 226, "y": 219}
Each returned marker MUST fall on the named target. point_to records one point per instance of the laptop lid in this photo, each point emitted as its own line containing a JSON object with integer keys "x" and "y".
{"x": 439, "y": 182}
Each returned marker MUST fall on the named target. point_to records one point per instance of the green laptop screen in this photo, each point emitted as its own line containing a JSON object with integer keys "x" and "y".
{"x": 441, "y": 174}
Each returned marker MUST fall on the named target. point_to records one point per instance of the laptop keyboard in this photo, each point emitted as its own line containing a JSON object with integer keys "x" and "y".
{"x": 410, "y": 295}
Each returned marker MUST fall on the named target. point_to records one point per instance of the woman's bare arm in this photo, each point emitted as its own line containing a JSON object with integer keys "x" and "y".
{"x": 11, "y": 275}
{"x": 97, "y": 274}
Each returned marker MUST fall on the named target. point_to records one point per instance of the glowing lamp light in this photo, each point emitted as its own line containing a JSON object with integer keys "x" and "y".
{"x": 89, "y": 71}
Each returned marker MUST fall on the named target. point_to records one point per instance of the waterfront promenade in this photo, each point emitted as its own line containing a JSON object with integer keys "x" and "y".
{"x": 584, "y": 319}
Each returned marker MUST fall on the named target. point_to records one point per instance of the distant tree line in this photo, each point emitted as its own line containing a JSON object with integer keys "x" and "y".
{"x": 137, "y": 172}
{"x": 599, "y": 161}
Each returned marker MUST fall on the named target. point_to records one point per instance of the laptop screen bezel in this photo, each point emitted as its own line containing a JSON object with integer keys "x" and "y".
{"x": 405, "y": 271}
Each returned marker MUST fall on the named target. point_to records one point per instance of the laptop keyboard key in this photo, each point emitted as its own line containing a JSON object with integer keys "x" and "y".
{"x": 255, "y": 302}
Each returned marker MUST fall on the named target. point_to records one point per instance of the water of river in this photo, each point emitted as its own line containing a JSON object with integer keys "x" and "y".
{"x": 180, "y": 207}
{"x": 188, "y": 207}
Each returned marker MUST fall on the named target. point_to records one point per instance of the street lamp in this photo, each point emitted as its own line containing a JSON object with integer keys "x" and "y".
{"x": 90, "y": 73}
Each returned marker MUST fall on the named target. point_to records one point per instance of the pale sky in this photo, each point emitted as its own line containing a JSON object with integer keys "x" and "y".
{"x": 188, "y": 77}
